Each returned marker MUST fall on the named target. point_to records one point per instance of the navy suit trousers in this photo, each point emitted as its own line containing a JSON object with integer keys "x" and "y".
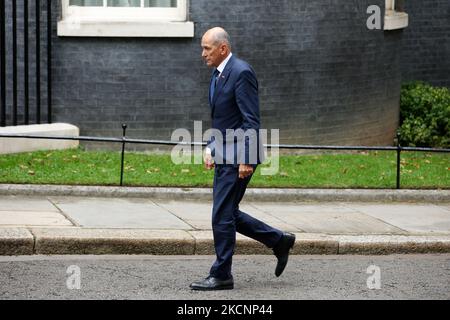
{"x": 227, "y": 219}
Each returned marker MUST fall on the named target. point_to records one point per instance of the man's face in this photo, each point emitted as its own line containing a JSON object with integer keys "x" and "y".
{"x": 212, "y": 54}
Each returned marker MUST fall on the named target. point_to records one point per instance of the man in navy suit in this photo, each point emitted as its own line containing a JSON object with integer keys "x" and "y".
{"x": 234, "y": 152}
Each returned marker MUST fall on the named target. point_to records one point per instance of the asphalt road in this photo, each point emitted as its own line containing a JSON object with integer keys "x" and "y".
{"x": 168, "y": 278}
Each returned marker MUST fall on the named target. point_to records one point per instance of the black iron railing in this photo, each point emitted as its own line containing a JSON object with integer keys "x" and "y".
{"x": 11, "y": 106}
{"x": 124, "y": 140}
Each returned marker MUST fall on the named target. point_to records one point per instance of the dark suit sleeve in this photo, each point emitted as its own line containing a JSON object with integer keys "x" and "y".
{"x": 246, "y": 92}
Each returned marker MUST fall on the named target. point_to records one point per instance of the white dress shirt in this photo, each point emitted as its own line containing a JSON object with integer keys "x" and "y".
{"x": 222, "y": 66}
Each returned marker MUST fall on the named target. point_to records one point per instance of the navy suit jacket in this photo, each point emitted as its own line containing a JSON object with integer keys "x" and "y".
{"x": 235, "y": 116}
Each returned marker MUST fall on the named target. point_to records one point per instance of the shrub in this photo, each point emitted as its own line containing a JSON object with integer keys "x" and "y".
{"x": 424, "y": 116}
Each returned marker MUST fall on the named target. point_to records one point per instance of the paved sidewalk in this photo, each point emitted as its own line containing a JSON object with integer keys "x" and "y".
{"x": 106, "y": 225}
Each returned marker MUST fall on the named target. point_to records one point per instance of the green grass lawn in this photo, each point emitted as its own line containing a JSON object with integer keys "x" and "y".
{"x": 357, "y": 170}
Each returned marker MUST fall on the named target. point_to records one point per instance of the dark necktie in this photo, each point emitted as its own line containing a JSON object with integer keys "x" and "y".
{"x": 212, "y": 87}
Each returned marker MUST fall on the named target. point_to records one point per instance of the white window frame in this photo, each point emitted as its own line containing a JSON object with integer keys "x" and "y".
{"x": 125, "y": 21}
{"x": 394, "y": 20}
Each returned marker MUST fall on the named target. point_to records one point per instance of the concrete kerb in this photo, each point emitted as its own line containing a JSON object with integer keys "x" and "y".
{"x": 252, "y": 194}
{"x": 112, "y": 241}
{"x": 382, "y": 244}
{"x": 16, "y": 241}
{"x": 69, "y": 241}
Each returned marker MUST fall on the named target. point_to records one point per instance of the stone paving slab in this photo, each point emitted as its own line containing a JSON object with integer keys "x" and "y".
{"x": 31, "y": 218}
{"x": 331, "y": 218}
{"x": 26, "y": 203}
{"x": 268, "y": 218}
{"x": 412, "y": 218}
{"x": 198, "y": 214}
{"x": 118, "y": 213}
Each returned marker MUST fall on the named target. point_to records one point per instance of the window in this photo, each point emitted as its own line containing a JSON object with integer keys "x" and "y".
{"x": 394, "y": 17}
{"x": 125, "y": 18}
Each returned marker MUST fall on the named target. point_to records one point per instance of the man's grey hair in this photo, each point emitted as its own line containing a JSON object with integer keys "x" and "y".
{"x": 221, "y": 36}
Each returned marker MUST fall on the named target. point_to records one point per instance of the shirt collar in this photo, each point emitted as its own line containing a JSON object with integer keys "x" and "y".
{"x": 222, "y": 66}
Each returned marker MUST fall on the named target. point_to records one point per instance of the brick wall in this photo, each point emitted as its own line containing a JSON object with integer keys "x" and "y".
{"x": 426, "y": 42}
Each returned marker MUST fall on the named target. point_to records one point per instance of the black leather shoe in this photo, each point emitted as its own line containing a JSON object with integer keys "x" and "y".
{"x": 212, "y": 283}
{"x": 281, "y": 251}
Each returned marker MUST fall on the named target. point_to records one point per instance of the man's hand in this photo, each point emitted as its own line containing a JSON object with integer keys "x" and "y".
{"x": 207, "y": 159}
{"x": 245, "y": 170}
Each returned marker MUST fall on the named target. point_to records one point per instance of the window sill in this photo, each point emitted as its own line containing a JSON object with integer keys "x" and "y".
{"x": 395, "y": 20}
{"x": 98, "y": 28}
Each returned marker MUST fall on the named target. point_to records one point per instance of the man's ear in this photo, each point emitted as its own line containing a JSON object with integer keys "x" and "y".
{"x": 223, "y": 49}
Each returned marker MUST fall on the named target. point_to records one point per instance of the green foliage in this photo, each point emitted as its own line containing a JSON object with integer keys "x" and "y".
{"x": 424, "y": 116}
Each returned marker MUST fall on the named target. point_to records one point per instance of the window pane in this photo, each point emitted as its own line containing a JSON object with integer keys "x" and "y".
{"x": 161, "y": 3}
{"x": 124, "y": 3}
{"x": 86, "y": 3}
